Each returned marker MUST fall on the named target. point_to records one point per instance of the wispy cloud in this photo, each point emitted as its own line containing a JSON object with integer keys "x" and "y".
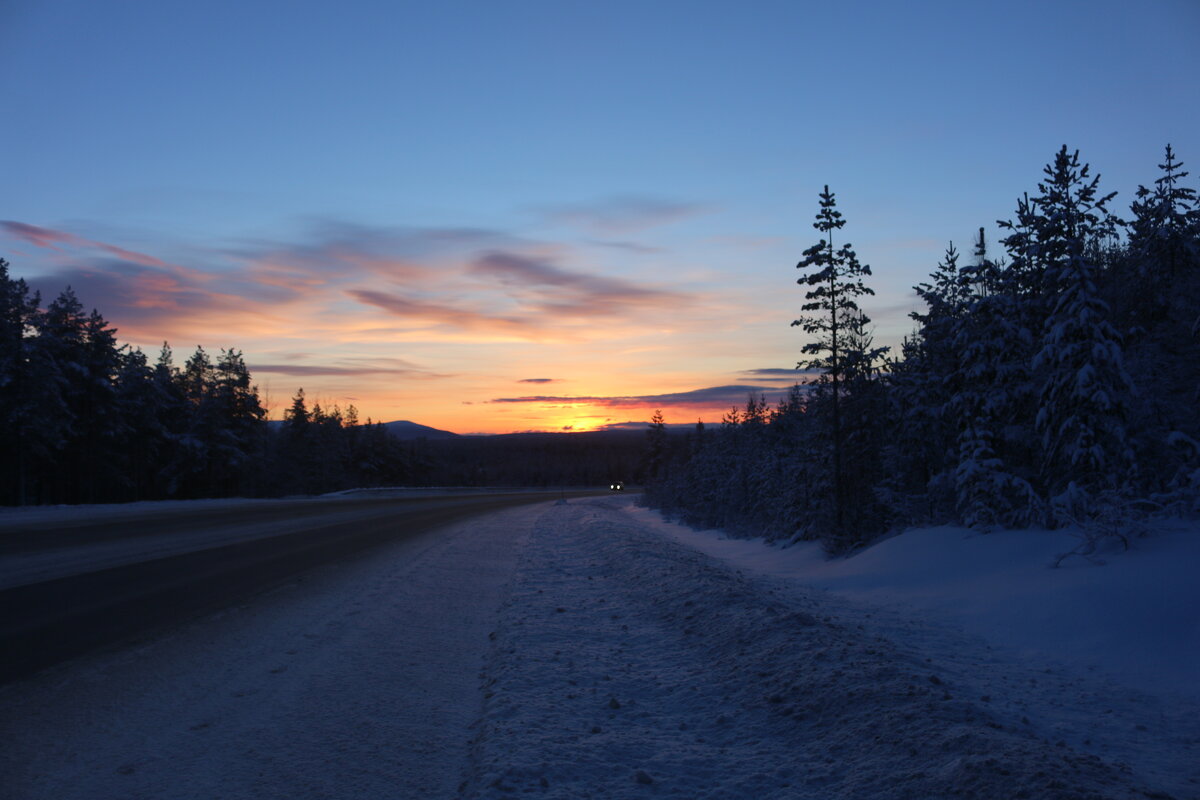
{"x": 629, "y": 247}
{"x": 146, "y": 296}
{"x": 329, "y": 248}
{"x": 430, "y": 313}
{"x": 778, "y": 375}
{"x": 451, "y": 282}
{"x": 623, "y": 214}
{"x": 549, "y": 289}
{"x": 709, "y": 397}
{"x": 146, "y": 300}
{"x": 348, "y": 367}
{"x": 51, "y": 239}
{"x": 537, "y": 380}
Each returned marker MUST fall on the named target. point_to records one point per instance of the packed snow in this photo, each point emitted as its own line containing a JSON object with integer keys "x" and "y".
{"x": 590, "y": 649}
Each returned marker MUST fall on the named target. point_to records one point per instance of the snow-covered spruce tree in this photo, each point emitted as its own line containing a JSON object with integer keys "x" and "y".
{"x": 866, "y": 423}
{"x": 751, "y": 484}
{"x": 1084, "y": 388}
{"x": 836, "y": 283}
{"x": 993, "y": 388}
{"x": 795, "y": 485}
{"x": 1164, "y": 234}
{"x": 1157, "y": 292}
{"x": 923, "y": 382}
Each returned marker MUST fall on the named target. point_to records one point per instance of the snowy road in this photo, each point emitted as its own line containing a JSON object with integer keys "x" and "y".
{"x": 75, "y": 578}
{"x": 573, "y": 651}
{"x": 360, "y": 680}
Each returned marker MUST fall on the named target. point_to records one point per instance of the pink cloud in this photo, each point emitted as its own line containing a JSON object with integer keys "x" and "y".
{"x": 439, "y": 313}
{"x": 48, "y": 238}
{"x": 557, "y": 292}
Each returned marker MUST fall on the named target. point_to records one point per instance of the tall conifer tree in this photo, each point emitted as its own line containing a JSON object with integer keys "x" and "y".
{"x": 836, "y": 283}
{"x": 1084, "y": 387}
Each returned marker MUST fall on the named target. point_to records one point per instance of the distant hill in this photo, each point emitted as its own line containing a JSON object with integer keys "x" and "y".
{"x": 401, "y": 429}
{"x": 564, "y": 436}
{"x": 406, "y": 431}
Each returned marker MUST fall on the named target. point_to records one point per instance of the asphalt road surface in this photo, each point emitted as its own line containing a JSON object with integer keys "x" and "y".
{"x": 70, "y": 583}
{"x": 357, "y": 678}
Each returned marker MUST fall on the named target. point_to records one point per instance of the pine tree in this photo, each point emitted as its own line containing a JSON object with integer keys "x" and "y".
{"x": 655, "y": 459}
{"x": 1163, "y": 236}
{"x": 836, "y": 285}
{"x": 143, "y": 447}
{"x": 87, "y": 359}
{"x": 174, "y": 414}
{"x": 238, "y": 421}
{"x": 1157, "y": 293}
{"x": 296, "y": 418}
{"x": 34, "y": 420}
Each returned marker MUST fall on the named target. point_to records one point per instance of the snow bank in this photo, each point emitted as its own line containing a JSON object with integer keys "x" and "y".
{"x": 1134, "y": 616}
{"x": 628, "y": 665}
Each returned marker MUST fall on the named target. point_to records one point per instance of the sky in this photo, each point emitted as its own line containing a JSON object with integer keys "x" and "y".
{"x": 491, "y": 217}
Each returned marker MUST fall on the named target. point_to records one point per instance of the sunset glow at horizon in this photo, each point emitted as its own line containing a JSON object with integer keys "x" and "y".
{"x": 489, "y": 218}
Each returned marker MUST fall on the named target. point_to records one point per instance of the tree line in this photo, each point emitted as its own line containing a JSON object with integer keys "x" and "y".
{"x": 1055, "y": 384}
{"x": 85, "y": 419}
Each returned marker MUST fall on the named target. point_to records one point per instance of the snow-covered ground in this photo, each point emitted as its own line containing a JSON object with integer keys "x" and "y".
{"x": 1131, "y": 615}
{"x": 637, "y": 658}
{"x": 626, "y": 657}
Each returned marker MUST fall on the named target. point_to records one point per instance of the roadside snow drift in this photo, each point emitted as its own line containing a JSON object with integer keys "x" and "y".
{"x": 628, "y": 665}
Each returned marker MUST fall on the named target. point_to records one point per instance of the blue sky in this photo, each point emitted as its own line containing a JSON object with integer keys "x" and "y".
{"x": 416, "y": 207}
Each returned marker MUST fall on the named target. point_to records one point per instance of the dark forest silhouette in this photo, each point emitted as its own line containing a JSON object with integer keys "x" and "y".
{"x": 84, "y": 419}
{"x": 1056, "y": 385}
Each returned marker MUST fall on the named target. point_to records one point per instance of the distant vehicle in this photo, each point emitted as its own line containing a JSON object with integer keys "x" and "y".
{"x": 617, "y": 486}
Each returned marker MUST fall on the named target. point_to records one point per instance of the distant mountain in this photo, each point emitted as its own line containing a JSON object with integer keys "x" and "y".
{"x": 406, "y": 431}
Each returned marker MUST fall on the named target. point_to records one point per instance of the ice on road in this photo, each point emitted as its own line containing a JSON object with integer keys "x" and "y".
{"x": 572, "y": 650}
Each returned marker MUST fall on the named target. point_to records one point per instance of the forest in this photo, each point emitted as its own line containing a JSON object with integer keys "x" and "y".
{"x": 1052, "y": 383}
{"x": 1055, "y": 383}
{"x": 84, "y": 419}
